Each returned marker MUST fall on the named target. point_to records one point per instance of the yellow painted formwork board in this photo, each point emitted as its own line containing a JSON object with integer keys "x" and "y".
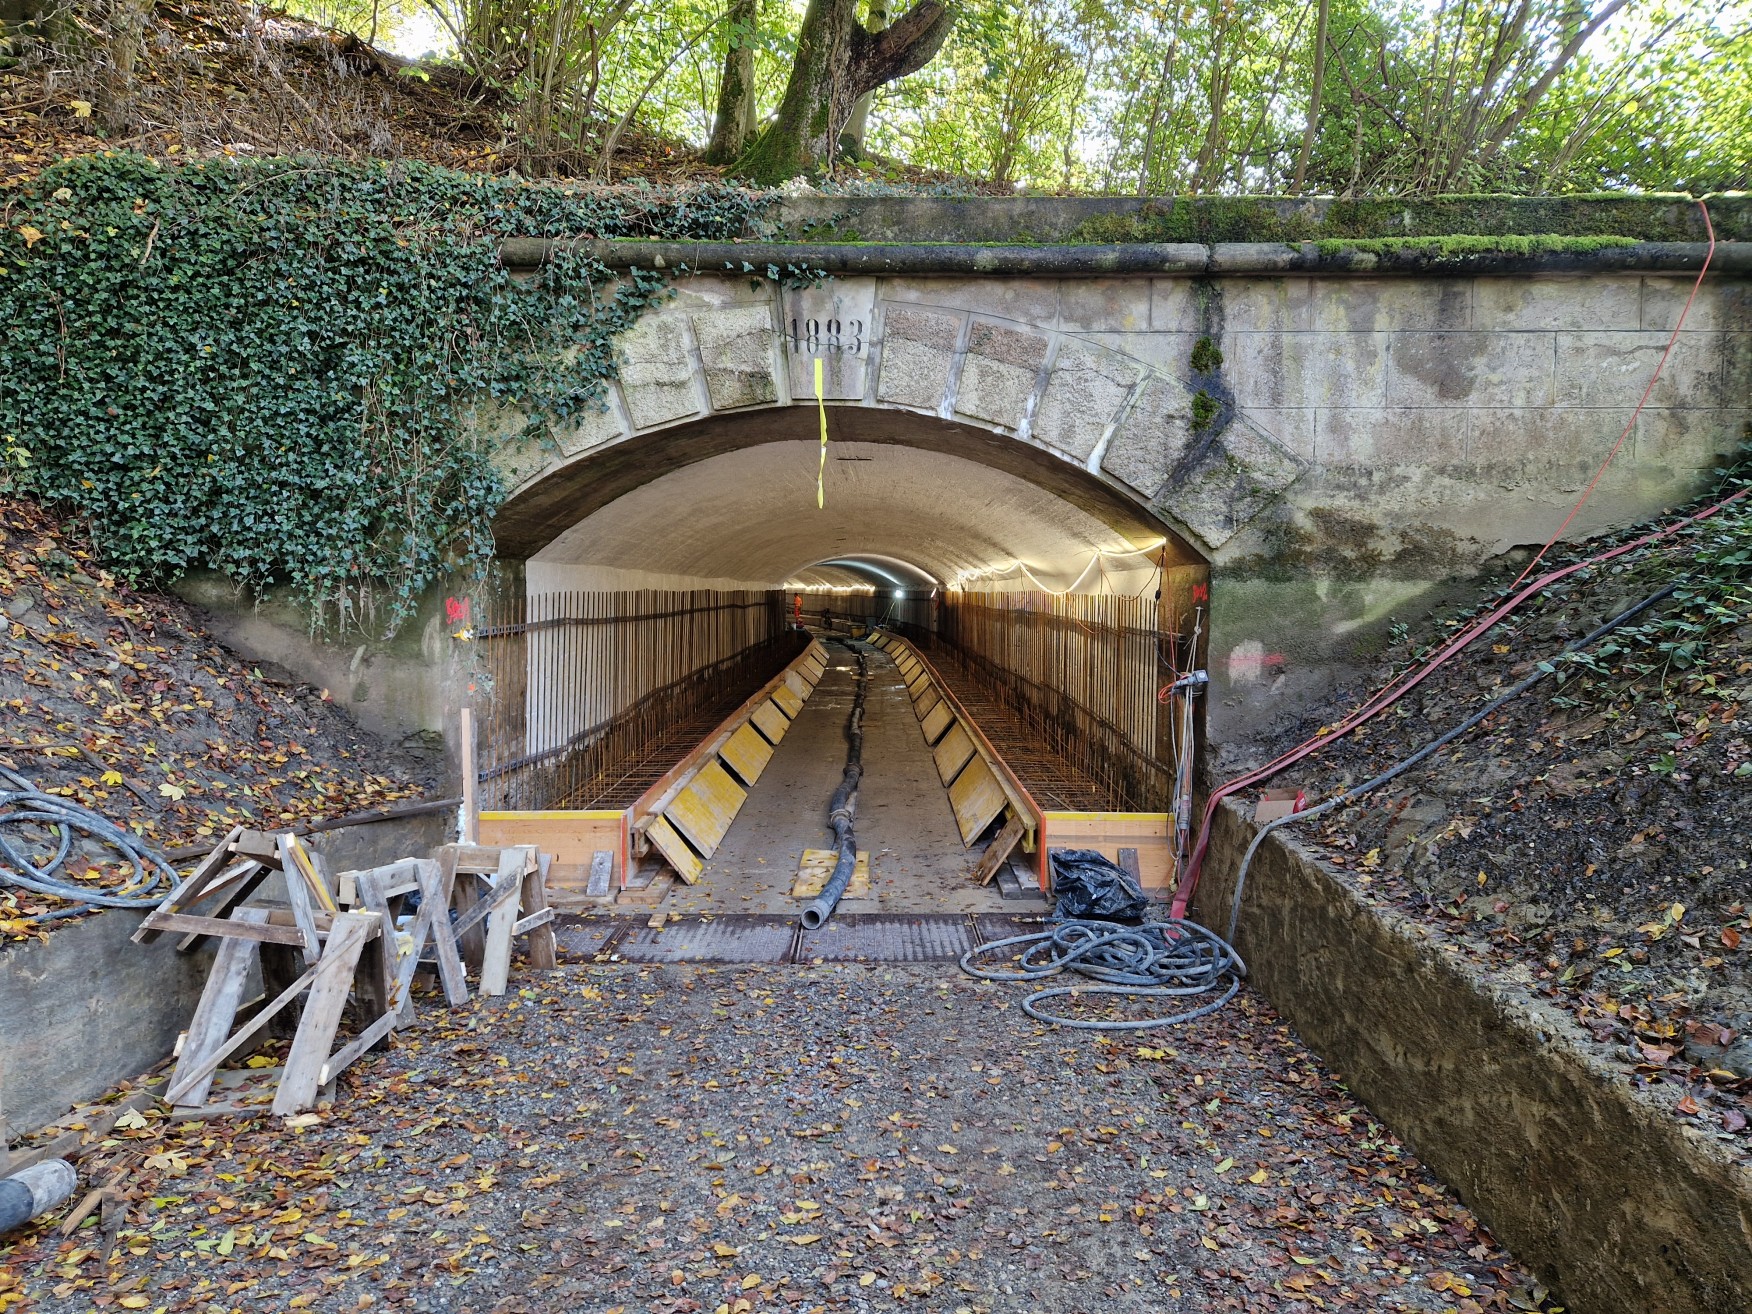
{"x": 816, "y": 660}
{"x": 934, "y": 723}
{"x": 747, "y": 753}
{"x": 770, "y": 721}
{"x": 788, "y": 702}
{"x": 704, "y": 809}
{"x": 799, "y": 684}
{"x": 918, "y": 682}
{"x": 817, "y": 866}
{"x": 952, "y": 752}
{"x": 925, "y": 701}
{"x": 666, "y": 841}
{"x": 977, "y": 798}
{"x": 907, "y": 663}
{"x": 808, "y": 674}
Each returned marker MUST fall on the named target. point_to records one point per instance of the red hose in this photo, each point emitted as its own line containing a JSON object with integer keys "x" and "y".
{"x": 1397, "y": 689}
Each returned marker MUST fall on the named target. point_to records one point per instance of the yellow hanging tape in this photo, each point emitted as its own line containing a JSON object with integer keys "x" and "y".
{"x": 821, "y": 470}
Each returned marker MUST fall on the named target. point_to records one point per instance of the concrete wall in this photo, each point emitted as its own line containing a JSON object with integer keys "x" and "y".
{"x": 85, "y": 1010}
{"x": 1376, "y": 437}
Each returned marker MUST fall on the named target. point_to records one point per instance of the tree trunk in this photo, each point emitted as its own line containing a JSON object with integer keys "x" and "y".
{"x": 838, "y": 60}
{"x": 860, "y": 119}
{"x": 1314, "y": 95}
{"x": 733, "y": 126}
{"x": 126, "y": 38}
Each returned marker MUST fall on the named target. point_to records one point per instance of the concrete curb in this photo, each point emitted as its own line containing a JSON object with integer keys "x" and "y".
{"x": 1158, "y": 259}
{"x": 1594, "y": 1186}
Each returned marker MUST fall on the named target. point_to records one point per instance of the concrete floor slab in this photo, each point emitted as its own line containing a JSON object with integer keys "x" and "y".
{"x": 904, "y": 819}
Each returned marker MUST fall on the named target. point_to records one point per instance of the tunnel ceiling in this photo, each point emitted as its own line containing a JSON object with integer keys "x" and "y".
{"x": 733, "y": 497}
{"x": 749, "y": 515}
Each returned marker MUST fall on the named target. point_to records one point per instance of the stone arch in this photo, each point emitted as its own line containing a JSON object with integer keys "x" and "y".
{"x": 977, "y": 368}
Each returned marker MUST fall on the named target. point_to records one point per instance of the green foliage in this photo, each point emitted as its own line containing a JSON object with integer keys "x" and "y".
{"x": 1714, "y": 596}
{"x": 298, "y": 371}
{"x": 1205, "y": 409}
{"x": 1461, "y": 244}
{"x": 1206, "y": 356}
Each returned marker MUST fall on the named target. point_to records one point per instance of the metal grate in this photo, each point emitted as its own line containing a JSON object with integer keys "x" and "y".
{"x": 888, "y": 938}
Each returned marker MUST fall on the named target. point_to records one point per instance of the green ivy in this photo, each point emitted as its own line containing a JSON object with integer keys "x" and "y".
{"x": 280, "y": 368}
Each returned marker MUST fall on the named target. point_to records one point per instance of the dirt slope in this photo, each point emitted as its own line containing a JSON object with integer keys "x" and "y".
{"x": 1591, "y": 836}
{"x": 117, "y": 699}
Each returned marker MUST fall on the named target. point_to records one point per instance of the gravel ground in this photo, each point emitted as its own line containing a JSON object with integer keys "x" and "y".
{"x": 617, "y": 1138}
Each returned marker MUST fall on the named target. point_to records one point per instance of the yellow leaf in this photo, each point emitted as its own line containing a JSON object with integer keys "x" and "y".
{"x": 111, "y": 777}
{"x": 171, "y": 791}
{"x": 1257, "y": 1177}
{"x": 865, "y": 1279}
{"x": 750, "y": 1282}
{"x": 133, "y": 1302}
{"x": 1225, "y": 1165}
{"x": 723, "y": 1251}
{"x": 1208, "y": 1243}
{"x": 1677, "y": 912}
{"x": 81, "y": 108}
{"x": 30, "y": 235}
{"x": 807, "y": 1239}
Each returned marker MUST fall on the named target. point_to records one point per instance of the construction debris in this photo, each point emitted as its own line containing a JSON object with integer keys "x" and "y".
{"x": 353, "y": 939}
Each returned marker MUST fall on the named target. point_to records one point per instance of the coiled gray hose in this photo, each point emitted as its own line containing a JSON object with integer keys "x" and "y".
{"x": 843, "y": 806}
{"x": 1158, "y": 960}
{"x": 23, "y": 804}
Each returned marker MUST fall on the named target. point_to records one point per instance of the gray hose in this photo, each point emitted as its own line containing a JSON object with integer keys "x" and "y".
{"x": 1158, "y": 960}
{"x": 32, "y": 1192}
{"x": 1398, "y": 769}
{"x": 23, "y": 804}
{"x": 843, "y": 807}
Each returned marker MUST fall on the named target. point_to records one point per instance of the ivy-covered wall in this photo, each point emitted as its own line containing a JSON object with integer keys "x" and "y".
{"x": 269, "y": 368}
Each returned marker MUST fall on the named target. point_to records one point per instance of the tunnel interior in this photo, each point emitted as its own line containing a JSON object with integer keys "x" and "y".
{"x": 1050, "y": 607}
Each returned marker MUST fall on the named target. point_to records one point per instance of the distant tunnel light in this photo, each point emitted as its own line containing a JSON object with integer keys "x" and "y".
{"x": 900, "y": 593}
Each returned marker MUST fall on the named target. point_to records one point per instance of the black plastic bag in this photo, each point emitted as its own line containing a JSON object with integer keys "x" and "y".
{"x": 1089, "y": 885}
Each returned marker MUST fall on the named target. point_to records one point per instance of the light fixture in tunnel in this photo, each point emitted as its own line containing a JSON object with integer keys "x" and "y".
{"x": 900, "y": 593}
{"x": 962, "y": 580}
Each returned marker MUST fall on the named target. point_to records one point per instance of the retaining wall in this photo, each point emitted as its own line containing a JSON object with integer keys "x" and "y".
{"x": 1596, "y": 1187}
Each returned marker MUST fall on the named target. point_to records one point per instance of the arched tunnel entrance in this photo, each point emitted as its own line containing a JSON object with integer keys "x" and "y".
{"x": 669, "y": 684}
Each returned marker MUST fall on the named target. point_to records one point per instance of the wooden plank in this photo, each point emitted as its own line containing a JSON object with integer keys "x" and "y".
{"x": 771, "y": 722}
{"x": 542, "y": 948}
{"x": 217, "y": 1009}
{"x": 670, "y": 844}
{"x": 926, "y": 701}
{"x": 471, "y": 778}
{"x": 371, "y": 887}
{"x": 1147, "y": 833}
{"x": 192, "y": 889}
{"x": 787, "y": 702}
{"x": 439, "y": 896}
{"x": 502, "y": 924}
{"x": 233, "y": 898}
{"x": 650, "y": 894}
{"x": 350, "y": 1054}
{"x": 999, "y": 850}
{"x": 571, "y": 838}
{"x": 799, "y": 685}
{"x": 332, "y": 982}
{"x": 952, "y": 753}
{"x": 261, "y": 845}
{"x": 239, "y": 1038}
{"x": 230, "y": 929}
{"x": 977, "y": 798}
{"x": 816, "y": 868}
{"x": 476, "y": 859}
{"x": 747, "y": 753}
{"x": 936, "y": 721}
{"x": 1128, "y": 863}
{"x": 704, "y": 810}
{"x": 918, "y": 682}
{"x": 601, "y": 873}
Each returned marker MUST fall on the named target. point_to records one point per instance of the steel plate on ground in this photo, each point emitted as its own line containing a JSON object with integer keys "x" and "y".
{"x": 771, "y": 722}
{"x": 747, "y": 753}
{"x": 977, "y": 798}
{"x": 743, "y": 939}
{"x": 887, "y": 938}
{"x": 788, "y": 702}
{"x": 934, "y": 723}
{"x": 1001, "y": 926}
{"x": 583, "y": 937}
{"x": 952, "y": 753}
{"x": 704, "y": 810}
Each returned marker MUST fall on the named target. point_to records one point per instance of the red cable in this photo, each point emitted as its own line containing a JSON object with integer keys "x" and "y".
{"x": 1395, "y": 690}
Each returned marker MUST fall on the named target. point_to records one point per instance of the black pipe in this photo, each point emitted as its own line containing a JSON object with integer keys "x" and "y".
{"x": 842, "y": 808}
